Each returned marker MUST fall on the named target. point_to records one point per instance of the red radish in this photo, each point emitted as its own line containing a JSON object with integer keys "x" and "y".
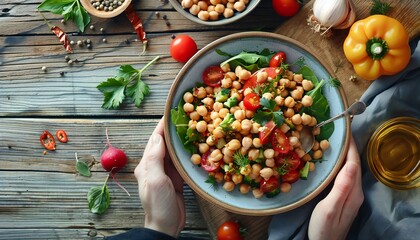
{"x": 112, "y": 160}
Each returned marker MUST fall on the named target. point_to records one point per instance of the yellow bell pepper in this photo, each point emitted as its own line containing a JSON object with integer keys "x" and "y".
{"x": 377, "y": 45}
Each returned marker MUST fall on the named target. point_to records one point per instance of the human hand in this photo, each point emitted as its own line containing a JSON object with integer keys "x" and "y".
{"x": 160, "y": 187}
{"x": 333, "y": 216}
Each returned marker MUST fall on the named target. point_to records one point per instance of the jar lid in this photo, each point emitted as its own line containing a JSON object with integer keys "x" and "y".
{"x": 393, "y": 153}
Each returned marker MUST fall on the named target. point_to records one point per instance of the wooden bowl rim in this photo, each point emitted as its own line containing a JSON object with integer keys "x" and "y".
{"x": 102, "y": 14}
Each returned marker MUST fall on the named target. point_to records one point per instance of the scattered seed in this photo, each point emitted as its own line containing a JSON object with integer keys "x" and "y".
{"x": 104, "y": 40}
{"x": 80, "y": 43}
{"x": 89, "y": 46}
{"x": 45, "y": 152}
{"x": 61, "y": 73}
{"x": 102, "y": 29}
{"x": 127, "y": 41}
{"x": 157, "y": 14}
{"x": 63, "y": 21}
{"x": 67, "y": 58}
{"x": 44, "y": 68}
{"x": 70, "y": 62}
{"x": 75, "y": 60}
{"x": 72, "y": 42}
{"x": 92, "y": 27}
{"x": 173, "y": 36}
{"x": 88, "y": 41}
{"x": 165, "y": 17}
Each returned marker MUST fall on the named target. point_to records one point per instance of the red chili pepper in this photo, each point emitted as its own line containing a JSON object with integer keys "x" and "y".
{"x": 62, "y": 37}
{"x": 61, "y": 136}
{"x": 59, "y": 33}
{"x": 137, "y": 24}
{"x": 47, "y": 140}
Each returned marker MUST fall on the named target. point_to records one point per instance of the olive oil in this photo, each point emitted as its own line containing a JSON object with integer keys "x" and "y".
{"x": 393, "y": 153}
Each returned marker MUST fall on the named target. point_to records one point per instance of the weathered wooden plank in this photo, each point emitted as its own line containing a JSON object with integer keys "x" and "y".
{"x": 53, "y": 201}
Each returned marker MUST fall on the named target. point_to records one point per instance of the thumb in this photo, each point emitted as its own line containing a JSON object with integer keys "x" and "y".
{"x": 152, "y": 162}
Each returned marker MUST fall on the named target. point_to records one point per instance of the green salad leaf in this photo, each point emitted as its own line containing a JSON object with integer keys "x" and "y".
{"x": 99, "y": 198}
{"x": 252, "y": 61}
{"x": 187, "y": 136}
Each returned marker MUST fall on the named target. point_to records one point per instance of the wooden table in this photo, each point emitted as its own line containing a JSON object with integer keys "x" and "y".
{"x": 41, "y": 196}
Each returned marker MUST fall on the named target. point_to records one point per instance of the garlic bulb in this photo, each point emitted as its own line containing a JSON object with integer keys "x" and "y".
{"x": 327, "y": 14}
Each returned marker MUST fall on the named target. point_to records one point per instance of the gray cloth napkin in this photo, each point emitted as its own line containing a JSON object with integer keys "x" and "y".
{"x": 386, "y": 213}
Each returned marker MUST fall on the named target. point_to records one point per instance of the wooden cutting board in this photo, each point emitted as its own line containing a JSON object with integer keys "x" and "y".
{"x": 329, "y": 49}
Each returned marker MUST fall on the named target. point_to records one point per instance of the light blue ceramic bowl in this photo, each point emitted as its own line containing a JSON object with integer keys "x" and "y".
{"x": 222, "y": 21}
{"x": 302, "y": 191}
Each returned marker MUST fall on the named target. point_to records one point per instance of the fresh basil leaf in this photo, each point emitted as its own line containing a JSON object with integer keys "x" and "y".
{"x": 99, "y": 199}
{"x": 78, "y": 19}
{"x": 308, "y": 74}
{"x": 83, "y": 169}
{"x": 221, "y": 53}
{"x": 252, "y": 61}
{"x": 55, "y": 6}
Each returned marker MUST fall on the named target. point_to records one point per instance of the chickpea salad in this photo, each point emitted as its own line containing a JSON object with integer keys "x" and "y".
{"x": 242, "y": 124}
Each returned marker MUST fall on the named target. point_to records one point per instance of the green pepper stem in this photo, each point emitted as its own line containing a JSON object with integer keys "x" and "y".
{"x": 376, "y": 48}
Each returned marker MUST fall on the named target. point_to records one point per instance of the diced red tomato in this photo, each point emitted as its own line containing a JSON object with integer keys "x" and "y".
{"x": 252, "y": 81}
{"x": 280, "y": 141}
{"x": 290, "y": 177}
{"x": 213, "y": 76}
{"x": 289, "y": 161}
{"x": 265, "y": 134}
{"x": 277, "y": 59}
{"x": 208, "y": 165}
{"x": 269, "y": 185}
{"x": 252, "y": 101}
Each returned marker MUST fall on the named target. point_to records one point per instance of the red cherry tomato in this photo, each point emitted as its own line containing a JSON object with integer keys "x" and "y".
{"x": 252, "y": 101}
{"x": 61, "y": 136}
{"x": 265, "y": 134}
{"x": 269, "y": 185}
{"x": 288, "y": 161}
{"x": 230, "y": 230}
{"x": 208, "y": 165}
{"x": 277, "y": 59}
{"x": 212, "y": 76}
{"x": 280, "y": 141}
{"x": 285, "y": 8}
{"x": 252, "y": 81}
{"x": 182, "y": 48}
{"x": 290, "y": 177}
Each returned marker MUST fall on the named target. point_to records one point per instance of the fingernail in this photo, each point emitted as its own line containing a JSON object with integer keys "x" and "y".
{"x": 156, "y": 138}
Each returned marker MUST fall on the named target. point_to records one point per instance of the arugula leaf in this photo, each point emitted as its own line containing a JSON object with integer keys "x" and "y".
{"x": 252, "y": 61}
{"x": 69, "y": 9}
{"x": 307, "y": 73}
{"x": 127, "y": 83}
{"x": 180, "y": 119}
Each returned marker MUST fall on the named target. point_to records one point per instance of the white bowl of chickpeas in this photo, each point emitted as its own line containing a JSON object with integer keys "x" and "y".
{"x": 214, "y": 12}
{"x": 233, "y": 120}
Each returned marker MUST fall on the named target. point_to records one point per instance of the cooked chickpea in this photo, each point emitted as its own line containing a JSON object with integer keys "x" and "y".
{"x": 294, "y": 141}
{"x": 307, "y": 85}
{"x": 306, "y": 157}
{"x": 201, "y": 93}
{"x": 226, "y": 82}
{"x": 324, "y": 144}
{"x": 297, "y": 77}
{"x": 285, "y": 187}
{"x": 187, "y": 3}
{"x": 216, "y": 155}
{"x": 249, "y": 113}
{"x": 307, "y": 101}
{"x": 233, "y": 145}
{"x": 296, "y": 119}
{"x": 266, "y": 173}
{"x": 230, "y": 74}
{"x": 300, "y": 152}
{"x": 257, "y": 193}
{"x": 311, "y": 166}
{"x": 306, "y": 119}
{"x": 211, "y": 140}
{"x": 289, "y": 102}
{"x": 289, "y": 112}
{"x": 218, "y": 133}
{"x": 188, "y": 97}
{"x": 284, "y": 82}
{"x": 215, "y": 2}
{"x": 203, "y": 147}
{"x": 316, "y": 131}
{"x": 236, "y": 85}
{"x": 244, "y": 188}
{"x": 236, "y": 126}
{"x": 262, "y": 76}
{"x": 246, "y": 124}
{"x": 225, "y": 67}
{"x": 227, "y": 159}
{"x": 214, "y": 115}
{"x": 257, "y": 142}
{"x": 223, "y": 112}
{"x": 208, "y": 101}
{"x": 315, "y": 146}
{"x": 253, "y": 154}
{"x": 202, "y": 110}
{"x": 269, "y": 162}
{"x": 229, "y": 186}
{"x": 201, "y": 126}
{"x": 227, "y": 152}
{"x": 279, "y": 100}
{"x": 221, "y": 142}
{"x": 194, "y": 9}
{"x": 248, "y": 91}
{"x": 244, "y": 74}
{"x": 313, "y": 122}
{"x": 203, "y": 5}
{"x": 239, "y": 6}
{"x": 220, "y": 8}
{"x": 237, "y": 178}
{"x": 268, "y": 96}
{"x": 188, "y": 107}
{"x": 203, "y": 15}
{"x": 292, "y": 84}
{"x": 284, "y": 93}
{"x": 317, "y": 154}
{"x": 196, "y": 159}
{"x": 246, "y": 142}
{"x": 217, "y": 106}
{"x": 296, "y": 94}
{"x": 211, "y": 9}
{"x": 192, "y": 124}
{"x": 218, "y": 176}
{"x": 284, "y": 128}
{"x": 269, "y": 153}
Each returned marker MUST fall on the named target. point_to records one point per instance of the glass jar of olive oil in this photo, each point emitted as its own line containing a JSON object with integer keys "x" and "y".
{"x": 393, "y": 153}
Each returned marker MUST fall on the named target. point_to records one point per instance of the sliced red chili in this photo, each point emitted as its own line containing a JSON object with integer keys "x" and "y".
{"x": 61, "y": 136}
{"x": 137, "y": 24}
{"x": 47, "y": 140}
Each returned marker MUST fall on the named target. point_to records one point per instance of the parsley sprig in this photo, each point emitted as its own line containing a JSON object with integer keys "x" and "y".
{"x": 267, "y": 113}
{"x": 127, "y": 83}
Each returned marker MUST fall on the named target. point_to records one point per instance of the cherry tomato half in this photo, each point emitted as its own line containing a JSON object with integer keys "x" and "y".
{"x": 252, "y": 101}
{"x": 252, "y": 81}
{"x": 269, "y": 185}
{"x": 265, "y": 134}
{"x": 230, "y": 230}
{"x": 212, "y": 76}
{"x": 285, "y": 8}
{"x": 208, "y": 165}
{"x": 288, "y": 161}
{"x": 182, "y": 48}
{"x": 61, "y": 136}
{"x": 277, "y": 59}
{"x": 47, "y": 140}
{"x": 280, "y": 141}
{"x": 290, "y": 177}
